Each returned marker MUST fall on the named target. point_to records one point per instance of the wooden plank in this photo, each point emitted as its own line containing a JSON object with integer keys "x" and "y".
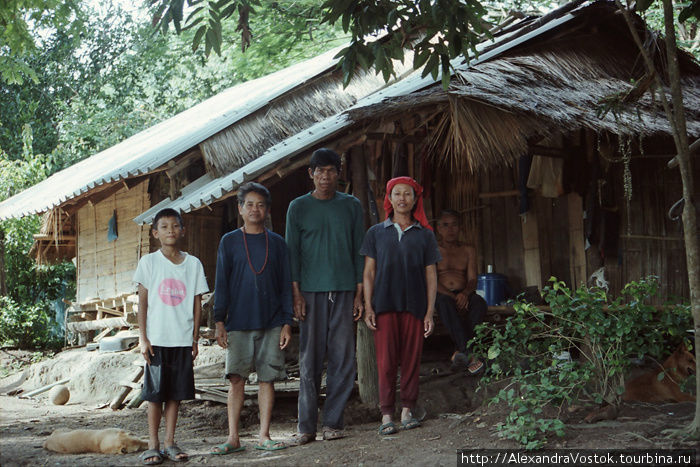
{"x": 487, "y": 248}
{"x": 559, "y": 240}
{"x": 119, "y": 398}
{"x": 81, "y": 326}
{"x": 577, "y": 253}
{"x": 531, "y": 247}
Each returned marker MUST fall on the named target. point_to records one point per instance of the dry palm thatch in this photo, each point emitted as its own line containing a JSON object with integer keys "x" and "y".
{"x": 582, "y": 85}
{"x": 54, "y": 242}
{"x": 587, "y": 75}
{"x": 248, "y": 139}
{"x": 473, "y": 136}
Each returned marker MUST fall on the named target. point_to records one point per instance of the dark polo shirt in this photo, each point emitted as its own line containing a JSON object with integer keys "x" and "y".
{"x": 399, "y": 283}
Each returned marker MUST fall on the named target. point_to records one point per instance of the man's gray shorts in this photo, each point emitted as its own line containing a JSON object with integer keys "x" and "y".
{"x": 258, "y": 351}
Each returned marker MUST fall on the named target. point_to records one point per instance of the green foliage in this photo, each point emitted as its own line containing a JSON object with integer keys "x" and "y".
{"x": 436, "y": 31}
{"x": 207, "y": 20}
{"x": 25, "y": 313}
{"x": 94, "y": 89}
{"x": 529, "y": 352}
{"x": 27, "y": 326}
{"x": 17, "y": 20}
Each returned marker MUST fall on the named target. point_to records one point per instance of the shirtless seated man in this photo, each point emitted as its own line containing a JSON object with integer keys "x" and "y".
{"x": 456, "y": 286}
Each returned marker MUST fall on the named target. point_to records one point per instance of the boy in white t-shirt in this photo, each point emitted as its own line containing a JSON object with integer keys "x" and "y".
{"x": 170, "y": 284}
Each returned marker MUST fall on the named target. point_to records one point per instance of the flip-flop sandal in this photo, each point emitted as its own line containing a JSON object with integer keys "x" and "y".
{"x": 299, "y": 439}
{"x": 226, "y": 448}
{"x": 151, "y": 453}
{"x": 172, "y": 453}
{"x": 387, "y": 429}
{"x": 475, "y": 367}
{"x": 269, "y": 445}
{"x": 410, "y": 424}
{"x": 329, "y": 434}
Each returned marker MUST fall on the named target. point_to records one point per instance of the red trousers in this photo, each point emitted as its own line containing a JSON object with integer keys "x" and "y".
{"x": 398, "y": 340}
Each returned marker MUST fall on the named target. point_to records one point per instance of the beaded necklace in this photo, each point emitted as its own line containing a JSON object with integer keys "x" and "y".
{"x": 247, "y": 253}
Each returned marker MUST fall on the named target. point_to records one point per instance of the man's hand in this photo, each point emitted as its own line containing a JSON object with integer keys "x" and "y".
{"x": 299, "y": 306}
{"x": 285, "y": 336}
{"x": 221, "y": 337}
{"x": 461, "y": 300}
{"x": 428, "y": 324}
{"x": 146, "y": 349}
{"x": 357, "y": 306}
{"x": 370, "y": 318}
{"x": 195, "y": 350}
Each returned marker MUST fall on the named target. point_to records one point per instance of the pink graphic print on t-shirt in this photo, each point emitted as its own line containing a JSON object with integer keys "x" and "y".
{"x": 172, "y": 291}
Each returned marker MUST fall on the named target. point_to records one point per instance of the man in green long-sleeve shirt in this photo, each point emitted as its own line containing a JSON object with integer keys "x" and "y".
{"x": 324, "y": 233}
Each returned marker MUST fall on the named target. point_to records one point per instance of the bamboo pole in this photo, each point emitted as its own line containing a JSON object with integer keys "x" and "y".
{"x": 367, "y": 378}
{"x": 119, "y": 398}
{"x": 43, "y": 389}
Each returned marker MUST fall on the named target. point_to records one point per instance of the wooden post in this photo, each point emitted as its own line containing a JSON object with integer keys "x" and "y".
{"x": 577, "y": 253}
{"x": 367, "y": 378}
{"x": 531, "y": 247}
{"x": 119, "y": 398}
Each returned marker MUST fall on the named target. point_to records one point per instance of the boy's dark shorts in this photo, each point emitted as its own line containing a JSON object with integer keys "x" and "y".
{"x": 170, "y": 376}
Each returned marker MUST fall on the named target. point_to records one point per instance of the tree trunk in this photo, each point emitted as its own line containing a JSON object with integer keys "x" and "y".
{"x": 690, "y": 226}
{"x": 367, "y": 378}
{"x": 676, "y": 118}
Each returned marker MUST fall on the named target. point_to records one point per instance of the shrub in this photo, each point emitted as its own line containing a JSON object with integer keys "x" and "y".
{"x": 27, "y": 326}
{"x": 602, "y": 334}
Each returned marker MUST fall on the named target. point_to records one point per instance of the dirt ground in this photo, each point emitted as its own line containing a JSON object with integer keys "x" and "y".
{"x": 455, "y": 419}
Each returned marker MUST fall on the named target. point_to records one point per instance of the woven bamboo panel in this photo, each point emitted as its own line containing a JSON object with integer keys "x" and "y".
{"x": 105, "y": 269}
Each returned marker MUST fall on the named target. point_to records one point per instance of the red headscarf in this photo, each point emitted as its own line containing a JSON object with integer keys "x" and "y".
{"x": 418, "y": 213}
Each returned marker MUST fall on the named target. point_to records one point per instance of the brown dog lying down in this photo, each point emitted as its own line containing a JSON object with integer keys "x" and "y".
{"x": 648, "y": 388}
{"x": 107, "y": 441}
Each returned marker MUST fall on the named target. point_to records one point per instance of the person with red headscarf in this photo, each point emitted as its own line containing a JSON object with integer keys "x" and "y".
{"x": 400, "y": 284}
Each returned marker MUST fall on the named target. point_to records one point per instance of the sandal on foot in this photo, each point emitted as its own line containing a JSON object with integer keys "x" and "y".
{"x": 475, "y": 367}
{"x": 153, "y": 454}
{"x": 269, "y": 445}
{"x": 175, "y": 454}
{"x": 329, "y": 434}
{"x": 410, "y": 424}
{"x": 387, "y": 429}
{"x": 299, "y": 439}
{"x": 226, "y": 448}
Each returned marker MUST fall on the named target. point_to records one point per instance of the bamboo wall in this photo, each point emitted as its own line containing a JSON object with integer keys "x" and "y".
{"x": 654, "y": 244}
{"x": 105, "y": 269}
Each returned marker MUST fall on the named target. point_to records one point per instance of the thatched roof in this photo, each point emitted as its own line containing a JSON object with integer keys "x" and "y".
{"x": 56, "y": 238}
{"x": 291, "y": 113}
{"x": 560, "y": 82}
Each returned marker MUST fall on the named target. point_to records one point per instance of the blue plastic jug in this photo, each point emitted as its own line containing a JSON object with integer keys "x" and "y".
{"x": 491, "y": 287}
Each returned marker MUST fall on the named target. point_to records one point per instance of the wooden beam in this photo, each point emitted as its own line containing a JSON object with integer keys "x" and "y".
{"x": 498, "y": 194}
{"x": 546, "y": 151}
{"x": 531, "y": 247}
{"x": 67, "y": 238}
{"x": 187, "y": 160}
{"x": 577, "y": 252}
{"x": 693, "y": 148}
{"x": 81, "y": 326}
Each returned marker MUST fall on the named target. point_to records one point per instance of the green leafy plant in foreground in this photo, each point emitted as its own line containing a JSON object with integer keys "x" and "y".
{"x": 531, "y": 352}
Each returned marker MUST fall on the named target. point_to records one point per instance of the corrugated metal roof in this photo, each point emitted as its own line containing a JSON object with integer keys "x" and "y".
{"x": 212, "y": 190}
{"x": 155, "y": 146}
